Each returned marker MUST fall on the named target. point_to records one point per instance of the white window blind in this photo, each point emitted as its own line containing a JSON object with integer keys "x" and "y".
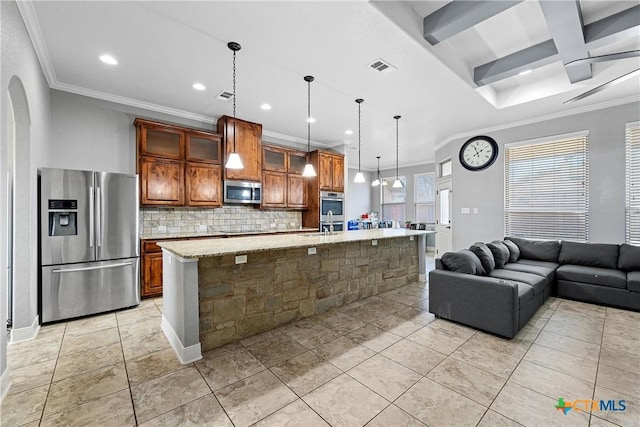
{"x": 547, "y": 189}
{"x": 633, "y": 183}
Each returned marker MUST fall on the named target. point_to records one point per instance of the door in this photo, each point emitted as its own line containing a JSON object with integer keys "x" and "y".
{"x": 68, "y": 186}
{"x": 296, "y": 191}
{"x": 152, "y": 273}
{"x": 274, "y": 189}
{"x": 162, "y": 182}
{"x": 443, "y": 222}
{"x": 204, "y": 185}
{"x": 116, "y": 216}
{"x": 325, "y": 173}
{"x": 337, "y": 173}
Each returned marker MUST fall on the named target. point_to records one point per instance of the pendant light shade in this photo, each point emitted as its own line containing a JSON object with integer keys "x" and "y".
{"x": 376, "y": 182}
{"x": 234, "y": 161}
{"x": 308, "y": 171}
{"x": 397, "y": 183}
{"x": 359, "y": 179}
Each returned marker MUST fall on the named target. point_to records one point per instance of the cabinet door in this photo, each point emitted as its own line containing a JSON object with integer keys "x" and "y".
{"x": 248, "y": 144}
{"x": 274, "y": 159}
{"x": 152, "y": 274}
{"x": 337, "y": 173}
{"x": 296, "y": 191}
{"x": 204, "y": 184}
{"x": 296, "y": 162}
{"x": 325, "y": 172}
{"x": 161, "y": 182}
{"x": 162, "y": 141}
{"x": 274, "y": 189}
{"x": 203, "y": 147}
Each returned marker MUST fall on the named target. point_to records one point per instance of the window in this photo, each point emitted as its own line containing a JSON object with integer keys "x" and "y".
{"x": 445, "y": 168}
{"x": 632, "y": 205}
{"x": 425, "y": 197}
{"x": 394, "y": 200}
{"x": 547, "y": 188}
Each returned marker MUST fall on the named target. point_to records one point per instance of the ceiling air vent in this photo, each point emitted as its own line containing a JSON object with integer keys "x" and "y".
{"x": 225, "y": 95}
{"x": 382, "y": 66}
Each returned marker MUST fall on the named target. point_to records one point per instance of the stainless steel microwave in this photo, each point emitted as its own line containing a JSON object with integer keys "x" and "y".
{"x": 242, "y": 192}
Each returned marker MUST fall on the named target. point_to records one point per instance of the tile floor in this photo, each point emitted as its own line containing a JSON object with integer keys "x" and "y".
{"x": 384, "y": 361}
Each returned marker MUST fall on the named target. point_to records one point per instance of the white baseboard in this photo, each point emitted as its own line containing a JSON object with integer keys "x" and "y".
{"x": 25, "y": 334}
{"x": 422, "y": 277}
{"x": 5, "y": 383}
{"x": 185, "y": 354}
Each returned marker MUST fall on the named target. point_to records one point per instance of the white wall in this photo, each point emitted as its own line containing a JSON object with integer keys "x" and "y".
{"x": 358, "y": 196}
{"x": 485, "y": 189}
{"x": 21, "y": 75}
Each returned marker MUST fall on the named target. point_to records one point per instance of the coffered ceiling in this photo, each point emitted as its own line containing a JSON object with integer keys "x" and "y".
{"x": 164, "y": 47}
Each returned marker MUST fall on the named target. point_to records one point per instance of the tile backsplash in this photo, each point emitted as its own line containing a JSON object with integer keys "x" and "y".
{"x": 224, "y": 219}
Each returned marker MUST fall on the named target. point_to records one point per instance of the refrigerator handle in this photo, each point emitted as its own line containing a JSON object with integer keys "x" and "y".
{"x": 91, "y": 219}
{"x": 98, "y": 216}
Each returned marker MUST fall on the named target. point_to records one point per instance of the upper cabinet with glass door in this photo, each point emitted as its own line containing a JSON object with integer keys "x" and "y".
{"x": 203, "y": 147}
{"x": 159, "y": 140}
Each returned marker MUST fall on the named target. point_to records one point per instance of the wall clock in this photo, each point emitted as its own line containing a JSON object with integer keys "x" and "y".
{"x": 478, "y": 153}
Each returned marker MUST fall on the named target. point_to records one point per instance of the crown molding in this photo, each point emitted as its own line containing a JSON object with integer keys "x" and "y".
{"x": 546, "y": 117}
{"x": 32, "y": 25}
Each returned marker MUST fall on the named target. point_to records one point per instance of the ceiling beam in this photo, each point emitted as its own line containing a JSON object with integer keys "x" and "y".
{"x": 622, "y": 25}
{"x": 564, "y": 20}
{"x": 459, "y": 15}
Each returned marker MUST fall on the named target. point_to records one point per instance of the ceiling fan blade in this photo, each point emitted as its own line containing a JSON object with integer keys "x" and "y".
{"x": 603, "y": 86}
{"x": 603, "y": 58}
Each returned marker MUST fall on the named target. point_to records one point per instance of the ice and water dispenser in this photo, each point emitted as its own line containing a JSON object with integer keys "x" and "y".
{"x": 63, "y": 217}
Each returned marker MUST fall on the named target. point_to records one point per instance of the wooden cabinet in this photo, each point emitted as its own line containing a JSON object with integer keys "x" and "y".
{"x": 161, "y": 181}
{"x": 282, "y": 183}
{"x": 178, "y": 166}
{"x": 151, "y": 269}
{"x": 331, "y": 172}
{"x": 202, "y": 188}
{"x": 248, "y": 144}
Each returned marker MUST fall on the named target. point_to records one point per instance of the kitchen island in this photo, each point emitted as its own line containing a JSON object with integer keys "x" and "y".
{"x": 218, "y": 291}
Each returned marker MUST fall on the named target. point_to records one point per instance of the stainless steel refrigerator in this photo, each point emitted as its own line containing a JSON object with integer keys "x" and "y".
{"x": 89, "y": 246}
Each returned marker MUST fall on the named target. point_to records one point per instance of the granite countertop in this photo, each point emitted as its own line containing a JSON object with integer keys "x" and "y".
{"x": 241, "y": 245}
{"x": 191, "y": 234}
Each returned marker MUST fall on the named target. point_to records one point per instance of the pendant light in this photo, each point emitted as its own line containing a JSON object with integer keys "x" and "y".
{"x": 359, "y": 179}
{"x": 397, "y": 183}
{"x": 376, "y": 182}
{"x": 234, "y": 161}
{"x": 308, "y": 171}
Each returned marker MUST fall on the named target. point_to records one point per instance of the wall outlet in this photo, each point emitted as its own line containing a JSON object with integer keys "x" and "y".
{"x": 475, "y": 210}
{"x": 162, "y": 228}
{"x": 241, "y": 259}
{"x": 411, "y": 238}
{"x": 465, "y": 210}
{"x": 374, "y": 243}
{"x": 311, "y": 251}
{"x": 273, "y": 226}
{"x": 202, "y": 228}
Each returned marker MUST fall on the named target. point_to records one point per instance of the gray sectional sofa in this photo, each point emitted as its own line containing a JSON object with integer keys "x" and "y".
{"x": 497, "y": 287}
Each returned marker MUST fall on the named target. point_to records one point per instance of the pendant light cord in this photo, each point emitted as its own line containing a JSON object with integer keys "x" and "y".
{"x": 359, "y": 104}
{"x": 397, "y": 151}
{"x": 308, "y": 117}
{"x": 234, "y": 101}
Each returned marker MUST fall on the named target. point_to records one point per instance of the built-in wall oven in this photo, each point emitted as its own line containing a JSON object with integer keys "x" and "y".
{"x": 332, "y": 210}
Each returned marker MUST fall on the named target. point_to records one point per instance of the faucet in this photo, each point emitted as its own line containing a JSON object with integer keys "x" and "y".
{"x": 330, "y": 219}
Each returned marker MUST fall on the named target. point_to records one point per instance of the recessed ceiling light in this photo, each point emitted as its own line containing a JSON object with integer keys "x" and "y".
{"x": 108, "y": 59}
{"x": 348, "y": 132}
{"x": 311, "y": 120}
{"x": 525, "y": 72}
{"x": 266, "y": 107}
{"x": 199, "y": 86}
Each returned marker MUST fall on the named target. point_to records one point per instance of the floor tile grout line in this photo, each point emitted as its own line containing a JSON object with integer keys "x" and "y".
{"x": 126, "y": 371}
{"x": 44, "y": 405}
{"x": 595, "y": 380}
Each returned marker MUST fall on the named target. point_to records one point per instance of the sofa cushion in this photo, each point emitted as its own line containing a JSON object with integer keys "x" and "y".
{"x": 629, "y": 258}
{"x": 538, "y": 282}
{"x": 589, "y": 254}
{"x": 592, "y": 275}
{"x": 545, "y": 264}
{"x": 463, "y": 261}
{"x": 486, "y": 257}
{"x": 548, "y": 273}
{"x": 539, "y": 250}
{"x": 525, "y": 294}
{"x": 514, "y": 251}
{"x": 633, "y": 281}
{"x": 500, "y": 253}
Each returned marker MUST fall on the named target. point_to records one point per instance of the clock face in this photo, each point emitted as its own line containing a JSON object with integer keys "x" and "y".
{"x": 478, "y": 153}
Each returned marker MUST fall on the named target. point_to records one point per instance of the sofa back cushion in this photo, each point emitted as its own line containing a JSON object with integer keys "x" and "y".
{"x": 537, "y": 250}
{"x": 500, "y": 253}
{"x": 629, "y": 258}
{"x": 484, "y": 254}
{"x": 589, "y": 254}
{"x": 514, "y": 251}
{"x": 463, "y": 261}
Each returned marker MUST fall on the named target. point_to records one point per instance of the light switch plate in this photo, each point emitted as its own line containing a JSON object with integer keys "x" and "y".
{"x": 475, "y": 210}
{"x": 374, "y": 243}
{"x": 241, "y": 259}
{"x": 162, "y": 228}
{"x": 465, "y": 210}
{"x": 311, "y": 251}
